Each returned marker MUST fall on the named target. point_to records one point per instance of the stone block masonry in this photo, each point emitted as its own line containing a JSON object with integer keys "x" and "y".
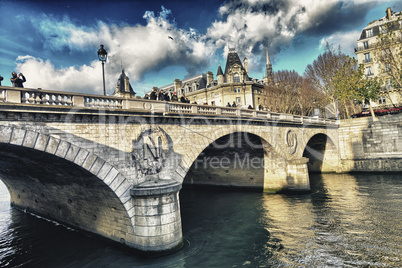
{"x": 368, "y": 145}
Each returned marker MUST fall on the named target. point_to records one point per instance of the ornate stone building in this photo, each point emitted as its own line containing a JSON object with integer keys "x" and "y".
{"x": 123, "y": 87}
{"x": 368, "y": 54}
{"x": 233, "y": 85}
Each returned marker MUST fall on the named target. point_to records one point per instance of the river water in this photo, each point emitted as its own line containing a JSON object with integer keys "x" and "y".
{"x": 346, "y": 221}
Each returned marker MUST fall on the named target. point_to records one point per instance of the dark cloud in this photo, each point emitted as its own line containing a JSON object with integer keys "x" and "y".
{"x": 341, "y": 17}
{"x": 266, "y": 7}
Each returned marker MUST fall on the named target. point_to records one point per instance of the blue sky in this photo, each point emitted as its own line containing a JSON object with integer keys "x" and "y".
{"x": 54, "y": 43}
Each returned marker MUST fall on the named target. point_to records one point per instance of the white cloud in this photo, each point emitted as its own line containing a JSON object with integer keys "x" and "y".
{"x": 246, "y": 24}
{"x": 139, "y": 49}
{"x": 347, "y": 41}
{"x": 43, "y": 74}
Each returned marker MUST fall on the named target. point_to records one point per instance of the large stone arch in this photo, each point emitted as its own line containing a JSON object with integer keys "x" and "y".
{"x": 322, "y": 151}
{"x": 279, "y": 171}
{"x": 63, "y": 182}
{"x": 190, "y": 155}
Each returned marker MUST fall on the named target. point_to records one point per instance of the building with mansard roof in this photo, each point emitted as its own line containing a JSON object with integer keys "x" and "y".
{"x": 368, "y": 53}
{"x": 123, "y": 87}
{"x": 233, "y": 85}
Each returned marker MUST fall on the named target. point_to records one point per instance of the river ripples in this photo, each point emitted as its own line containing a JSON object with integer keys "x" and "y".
{"x": 346, "y": 221}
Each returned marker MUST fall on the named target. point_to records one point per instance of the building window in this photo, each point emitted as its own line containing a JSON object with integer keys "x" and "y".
{"x": 236, "y": 78}
{"x": 366, "y": 44}
{"x": 388, "y": 84}
{"x": 367, "y": 57}
{"x": 212, "y": 94}
{"x": 382, "y": 100}
{"x": 387, "y": 67}
{"x": 238, "y": 100}
{"x": 237, "y": 90}
{"x": 369, "y": 33}
{"x": 368, "y": 71}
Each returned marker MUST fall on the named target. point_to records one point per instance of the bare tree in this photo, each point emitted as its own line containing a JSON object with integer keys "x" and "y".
{"x": 288, "y": 84}
{"x": 322, "y": 72}
{"x": 295, "y": 94}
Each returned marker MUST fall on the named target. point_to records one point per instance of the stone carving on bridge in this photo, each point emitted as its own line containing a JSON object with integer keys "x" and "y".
{"x": 291, "y": 141}
{"x": 153, "y": 155}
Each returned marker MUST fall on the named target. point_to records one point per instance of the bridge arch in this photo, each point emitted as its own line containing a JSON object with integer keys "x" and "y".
{"x": 63, "y": 182}
{"x": 322, "y": 152}
{"x": 235, "y": 158}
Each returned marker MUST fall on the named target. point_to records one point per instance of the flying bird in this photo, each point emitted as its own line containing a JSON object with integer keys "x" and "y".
{"x": 170, "y": 37}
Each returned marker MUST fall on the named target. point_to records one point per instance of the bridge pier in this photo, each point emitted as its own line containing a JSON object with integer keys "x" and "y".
{"x": 289, "y": 175}
{"x": 157, "y": 220}
{"x": 297, "y": 178}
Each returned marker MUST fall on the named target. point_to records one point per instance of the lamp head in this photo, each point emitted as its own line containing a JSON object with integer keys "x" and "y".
{"x": 102, "y": 54}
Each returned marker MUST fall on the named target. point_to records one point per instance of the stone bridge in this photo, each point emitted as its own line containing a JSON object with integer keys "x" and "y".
{"x": 114, "y": 166}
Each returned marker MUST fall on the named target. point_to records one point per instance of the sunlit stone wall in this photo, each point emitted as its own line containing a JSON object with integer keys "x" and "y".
{"x": 371, "y": 145}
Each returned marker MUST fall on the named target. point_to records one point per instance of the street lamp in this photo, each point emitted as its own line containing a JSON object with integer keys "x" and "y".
{"x": 102, "y": 55}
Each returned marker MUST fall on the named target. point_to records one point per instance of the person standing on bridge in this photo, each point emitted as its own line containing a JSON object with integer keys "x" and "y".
{"x": 167, "y": 97}
{"x": 161, "y": 95}
{"x": 174, "y": 97}
{"x": 1, "y": 79}
{"x": 16, "y": 80}
{"x": 153, "y": 95}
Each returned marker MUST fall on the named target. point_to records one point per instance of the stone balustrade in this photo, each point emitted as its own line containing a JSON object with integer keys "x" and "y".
{"x": 57, "y": 98}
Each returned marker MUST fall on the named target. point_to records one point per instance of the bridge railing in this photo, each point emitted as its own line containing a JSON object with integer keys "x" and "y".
{"x": 66, "y": 99}
{"x": 58, "y": 98}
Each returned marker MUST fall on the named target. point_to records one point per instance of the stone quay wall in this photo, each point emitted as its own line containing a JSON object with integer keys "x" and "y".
{"x": 368, "y": 145}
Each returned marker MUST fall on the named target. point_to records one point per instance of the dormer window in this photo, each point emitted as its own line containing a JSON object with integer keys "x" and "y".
{"x": 369, "y": 33}
{"x": 195, "y": 86}
{"x": 236, "y": 78}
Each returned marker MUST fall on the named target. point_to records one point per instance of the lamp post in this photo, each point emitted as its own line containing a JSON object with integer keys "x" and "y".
{"x": 102, "y": 55}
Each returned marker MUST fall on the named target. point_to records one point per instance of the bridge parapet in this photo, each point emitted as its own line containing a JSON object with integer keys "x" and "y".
{"x": 58, "y": 98}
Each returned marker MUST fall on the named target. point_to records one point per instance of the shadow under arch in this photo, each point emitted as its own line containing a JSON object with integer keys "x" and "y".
{"x": 322, "y": 154}
{"x": 238, "y": 159}
{"x": 58, "y": 189}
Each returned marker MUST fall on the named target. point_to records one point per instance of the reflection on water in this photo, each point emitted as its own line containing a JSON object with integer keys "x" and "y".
{"x": 346, "y": 221}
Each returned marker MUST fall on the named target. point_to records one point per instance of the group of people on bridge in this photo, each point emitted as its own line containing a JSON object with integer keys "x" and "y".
{"x": 165, "y": 96}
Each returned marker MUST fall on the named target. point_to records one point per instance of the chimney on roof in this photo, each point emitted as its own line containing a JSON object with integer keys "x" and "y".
{"x": 210, "y": 78}
{"x": 389, "y": 13}
{"x": 177, "y": 85}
